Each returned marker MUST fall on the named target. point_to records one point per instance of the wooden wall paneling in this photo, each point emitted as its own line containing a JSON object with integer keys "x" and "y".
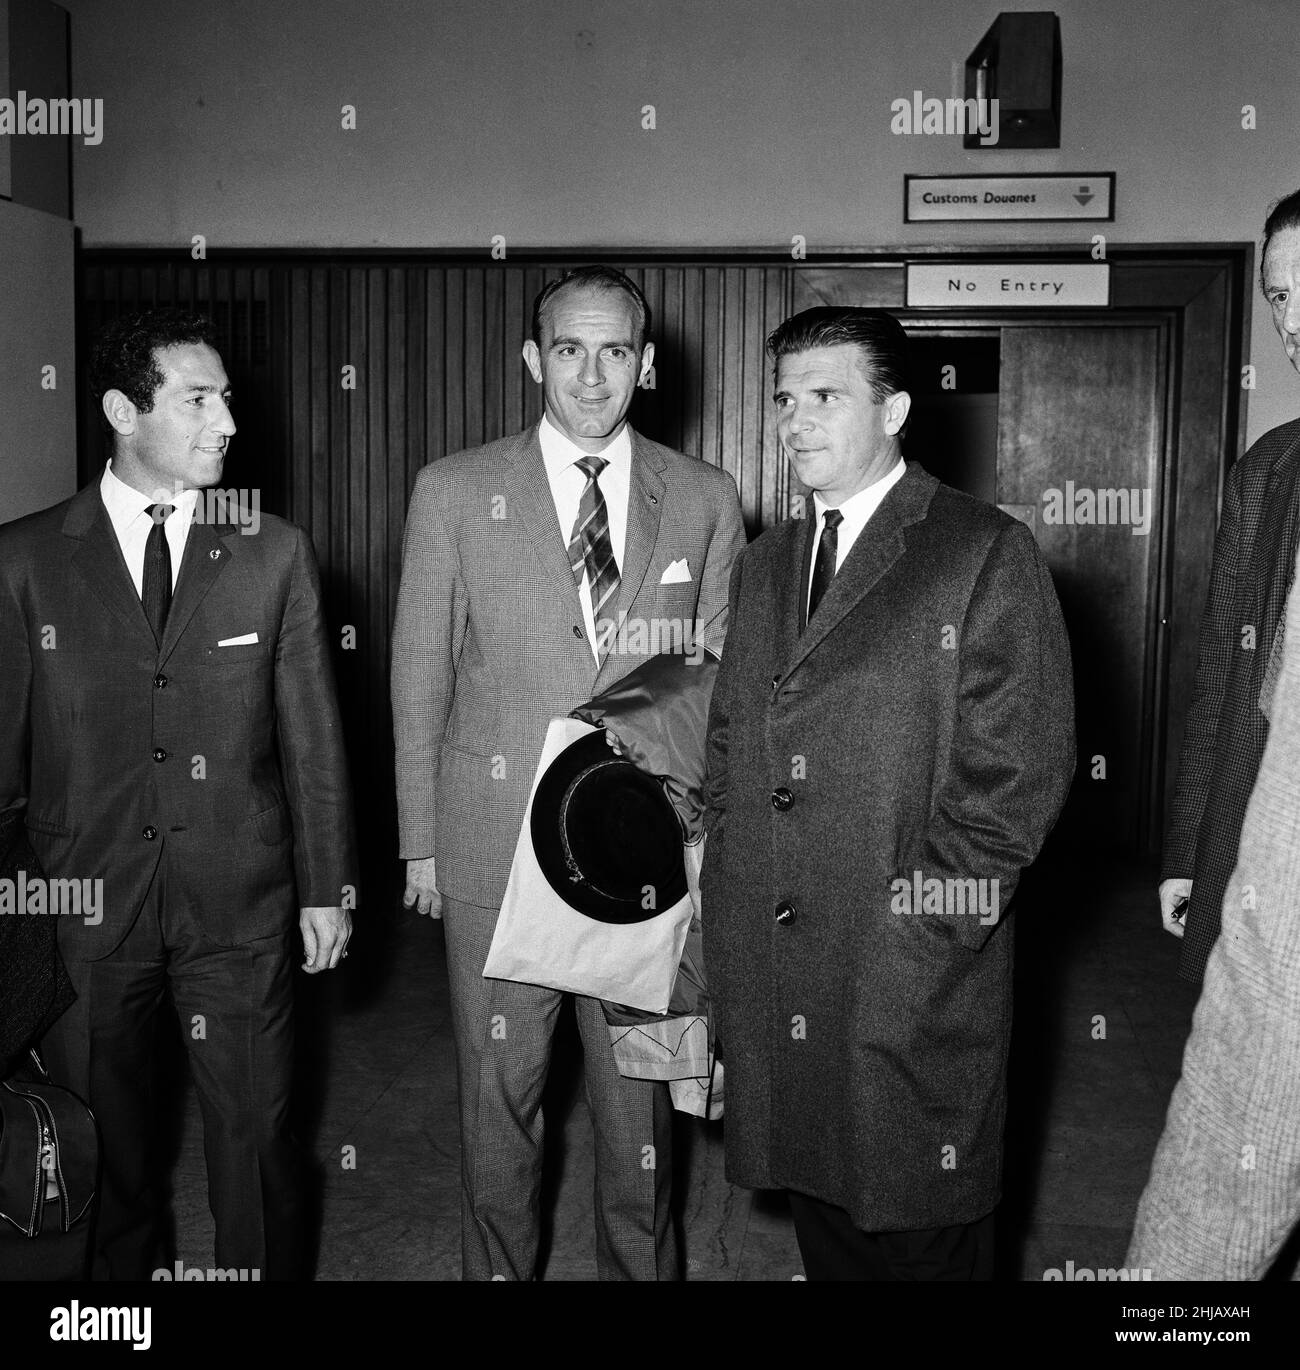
{"x": 492, "y": 360}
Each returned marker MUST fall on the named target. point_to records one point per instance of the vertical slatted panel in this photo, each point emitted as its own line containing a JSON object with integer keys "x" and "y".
{"x": 436, "y": 347}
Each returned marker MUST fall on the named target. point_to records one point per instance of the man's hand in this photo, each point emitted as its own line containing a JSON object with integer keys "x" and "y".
{"x": 325, "y": 934}
{"x": 422, "y": 887}
{"x": 1172, "y": 893}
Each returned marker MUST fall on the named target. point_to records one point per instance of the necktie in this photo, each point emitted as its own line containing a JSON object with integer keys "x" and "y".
{"x": 156, "y": 590}
{"x": 590, "y": 550}
{"x": 824, "y": 566}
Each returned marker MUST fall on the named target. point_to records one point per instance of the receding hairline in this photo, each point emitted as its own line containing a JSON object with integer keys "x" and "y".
{"x": 631, "y": 303}
{"x": 1269, "y": 246}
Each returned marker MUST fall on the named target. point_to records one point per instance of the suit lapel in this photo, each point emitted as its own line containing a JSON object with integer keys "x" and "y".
{"x": 644, "y": 504}
{"x": 209, "y": 549}
{"x": 97, "y": 558}
{"x": 534, "y": 504}
{"x": 878, "y": 547}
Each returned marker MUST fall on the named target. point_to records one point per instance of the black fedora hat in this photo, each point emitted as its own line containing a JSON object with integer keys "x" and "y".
{"x": 603, "y": 830}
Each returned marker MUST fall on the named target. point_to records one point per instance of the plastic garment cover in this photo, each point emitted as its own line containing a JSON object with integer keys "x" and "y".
{"x": 659, "y": 714}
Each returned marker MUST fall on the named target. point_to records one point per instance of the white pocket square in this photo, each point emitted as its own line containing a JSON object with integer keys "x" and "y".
{"x": 678, "y": 573}
{"x": 238, "y": 641}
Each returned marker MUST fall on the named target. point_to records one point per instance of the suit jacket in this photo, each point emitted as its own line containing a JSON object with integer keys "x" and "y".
{"x": 1225, "y": 732}
{"x": 922, "y": 722}
{"x": 1206, "y": 1214}
{"x": 227, "y": 763}
{"x": 488, "y": 643}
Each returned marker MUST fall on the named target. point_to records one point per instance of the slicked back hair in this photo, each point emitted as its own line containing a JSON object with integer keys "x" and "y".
{"x": 1284, "y": 214}
{"x": 594, "y": 278}
{"x": 122, "y": 357}
{"x": 878, "y": 336}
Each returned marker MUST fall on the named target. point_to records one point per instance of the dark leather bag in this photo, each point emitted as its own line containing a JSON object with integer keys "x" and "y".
{"x": 49, "y": 1153}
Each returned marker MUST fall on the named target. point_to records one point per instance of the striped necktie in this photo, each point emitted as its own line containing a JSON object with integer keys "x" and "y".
{"x": 591, "y": 553}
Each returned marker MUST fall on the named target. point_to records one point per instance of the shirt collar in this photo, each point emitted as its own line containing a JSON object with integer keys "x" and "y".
{"x": 857, "y": 509}
{"x": 125, "y": 503}
{"x": 559, "y": 451}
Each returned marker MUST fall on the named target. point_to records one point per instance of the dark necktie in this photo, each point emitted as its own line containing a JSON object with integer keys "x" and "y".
{"x": 156, "y": 590}
{"x": 590, "y": 549}
{"x": 824, "y": 566}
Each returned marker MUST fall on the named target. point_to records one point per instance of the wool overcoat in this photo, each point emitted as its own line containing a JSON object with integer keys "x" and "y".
{"x": 915, "y": 737}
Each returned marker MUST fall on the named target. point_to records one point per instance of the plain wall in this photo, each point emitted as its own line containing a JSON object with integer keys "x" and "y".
{"x": 38, "y": 439}
{"x": 524, "y": 118}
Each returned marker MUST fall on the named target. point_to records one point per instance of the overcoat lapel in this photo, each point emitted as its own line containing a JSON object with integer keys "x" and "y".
{"x": 878, "y": 547}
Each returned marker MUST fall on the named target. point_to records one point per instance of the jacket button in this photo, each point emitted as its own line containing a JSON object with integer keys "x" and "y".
{"x": 785, "y": 913}
{"x": 782, "y": 799}
{"x": 160, "y": 682}
{"x": 149, "y": 833}
{"x": 159, "y": 754}
{"x": 776, "y": 681}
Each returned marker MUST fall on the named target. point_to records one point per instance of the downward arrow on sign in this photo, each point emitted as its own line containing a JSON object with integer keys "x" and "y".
{"x": 1084, "y": 195}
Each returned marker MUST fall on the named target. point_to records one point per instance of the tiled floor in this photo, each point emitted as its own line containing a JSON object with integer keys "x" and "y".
{"x": 1101, "y": 1020}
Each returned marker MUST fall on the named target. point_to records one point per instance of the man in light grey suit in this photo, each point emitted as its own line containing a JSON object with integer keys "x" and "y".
{"x": 536, "y": 571}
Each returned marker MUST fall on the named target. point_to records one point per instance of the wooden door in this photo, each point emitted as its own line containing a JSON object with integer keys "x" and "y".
{"x": 1082, "y": 459}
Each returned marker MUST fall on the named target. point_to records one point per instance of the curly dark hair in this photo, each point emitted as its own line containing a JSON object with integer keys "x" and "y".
{"x": 122, "y": 357}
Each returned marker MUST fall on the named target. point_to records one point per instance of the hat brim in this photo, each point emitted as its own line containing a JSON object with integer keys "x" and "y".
{"x": 605, "y": 835}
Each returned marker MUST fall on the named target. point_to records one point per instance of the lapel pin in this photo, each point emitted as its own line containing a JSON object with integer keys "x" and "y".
{"x": 215, "y": 553}
{"x": 654, "y": 499}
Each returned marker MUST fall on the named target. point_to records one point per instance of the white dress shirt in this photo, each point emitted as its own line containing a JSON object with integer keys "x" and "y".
{"x": 126, "y": 511}
{"x": 567, "y": 481}
{"x": 857, "y": 510}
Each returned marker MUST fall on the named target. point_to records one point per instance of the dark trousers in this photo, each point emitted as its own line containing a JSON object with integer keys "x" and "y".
{"x": 833, "y": 1249}
{"x": 235, "y": 1010}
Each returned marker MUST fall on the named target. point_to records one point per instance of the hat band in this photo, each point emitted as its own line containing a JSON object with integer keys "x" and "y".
{"x": 576, "y": 873}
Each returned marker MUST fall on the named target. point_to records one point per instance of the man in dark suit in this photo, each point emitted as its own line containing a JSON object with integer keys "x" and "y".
{"x": 169, "y": 724}
{"x": 1241, "y": 642}
{"x": 534, "y": 573}
{"x": 891, "y": 737}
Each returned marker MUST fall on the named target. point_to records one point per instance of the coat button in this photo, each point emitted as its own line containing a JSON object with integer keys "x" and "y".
{"x": 785, "y": 913}
{"x": 782, "y": 799}
{"x": 149, "y": 833}
{"x": 160, "y": 682}
{"x": 776, "y": 681}
{"x": 159, "y": 754}
{"x": 577, "y": 632}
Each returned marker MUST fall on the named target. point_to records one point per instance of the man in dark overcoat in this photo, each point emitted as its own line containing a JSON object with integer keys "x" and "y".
{"x": 891, "y": 738}
{"x": 1241, "y": 641}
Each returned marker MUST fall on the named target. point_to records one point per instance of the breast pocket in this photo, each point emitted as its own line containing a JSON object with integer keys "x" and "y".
{"x": 243, "y": 654}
